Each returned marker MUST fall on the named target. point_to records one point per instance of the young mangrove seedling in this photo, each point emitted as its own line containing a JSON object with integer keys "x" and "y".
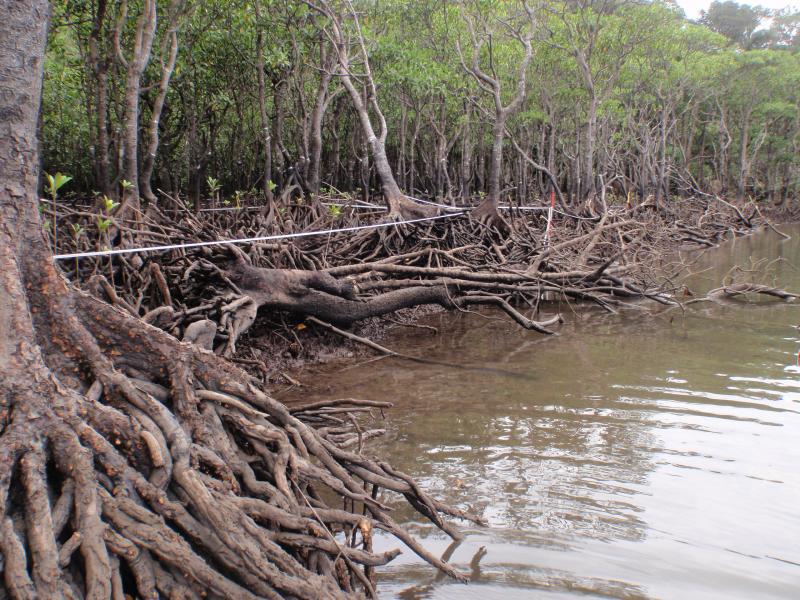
{"x": 213, "y": 188}
{"x": 55, "y": 183}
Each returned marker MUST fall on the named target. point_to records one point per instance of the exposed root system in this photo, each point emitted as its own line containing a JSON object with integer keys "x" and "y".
{"x": 132, "y": 464}
{"x": 213, "y": 295}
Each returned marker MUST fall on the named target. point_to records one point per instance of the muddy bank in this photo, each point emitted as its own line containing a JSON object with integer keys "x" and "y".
{"x": 282, "y": 353}
{"x": 278, "y": 353}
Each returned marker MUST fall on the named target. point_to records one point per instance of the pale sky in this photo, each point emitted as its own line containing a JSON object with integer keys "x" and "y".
{"x": 693, "y": 7}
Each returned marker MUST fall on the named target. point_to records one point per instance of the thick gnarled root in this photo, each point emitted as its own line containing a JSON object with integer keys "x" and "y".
{"x": 175, "y": 475}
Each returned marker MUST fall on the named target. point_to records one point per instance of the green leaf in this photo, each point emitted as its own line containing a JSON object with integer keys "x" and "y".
{"x": 104, "y": 224}
{"x": 61, "y": 180}
{"x": 55, "y": 183}
{"x": 109, "y": 205}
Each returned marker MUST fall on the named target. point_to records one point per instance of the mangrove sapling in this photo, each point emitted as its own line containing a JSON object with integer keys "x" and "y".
{"x": 55, "y": 183}
{"x": 213, "y": 189}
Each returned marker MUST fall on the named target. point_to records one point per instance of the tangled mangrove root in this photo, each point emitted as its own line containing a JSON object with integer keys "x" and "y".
{"x": 213, "y": 295}
{"x": 134, "y": 465}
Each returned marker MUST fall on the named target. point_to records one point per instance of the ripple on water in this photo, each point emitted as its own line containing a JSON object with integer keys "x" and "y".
{"x": 636, "y": 458}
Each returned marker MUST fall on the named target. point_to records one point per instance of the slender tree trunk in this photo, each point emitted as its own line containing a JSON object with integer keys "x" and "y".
{"x": 442, "y": 150}
{"x": 661, "y": 184}
{"x": 690, "y": 129}
{"x": 542, "y": 157}
{"x": 786, "y": 179}
{"x": 496, "y": 161}
{"x": 266, "y": 183}
{"x": 317, "y": 114}
{"x": 413, "y": 152}
{"x": 400, "y": 169}
{"x": 480, "y": 168}
{"x": 361, "y": 151}
{"x": 722, "y": 152}
{"x": 466, "y": 153}
{"x": 278, "y": 89}
{"x": 99, "y": 71}
{"x": 167, "y": 68}
{"x": 744, "y": 141}
{"x": 336, "y": 147}
{"x": 701, "y": 152}
{"x": 101, "y": 126}
{"x": 588, "y": 187}
{"x": 142, "y": 45}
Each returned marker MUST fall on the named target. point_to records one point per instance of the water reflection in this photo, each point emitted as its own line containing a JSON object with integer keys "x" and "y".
{"x": 639, "y": 456}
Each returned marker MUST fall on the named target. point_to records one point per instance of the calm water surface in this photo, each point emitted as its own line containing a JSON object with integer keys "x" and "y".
{"x": 630, "y": 457}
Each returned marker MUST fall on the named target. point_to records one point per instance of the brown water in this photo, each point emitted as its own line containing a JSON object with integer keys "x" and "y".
{"x": 630, "y": 457}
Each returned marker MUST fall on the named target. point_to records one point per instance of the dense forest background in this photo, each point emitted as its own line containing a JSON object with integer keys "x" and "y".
{"x": 225, "y": 100}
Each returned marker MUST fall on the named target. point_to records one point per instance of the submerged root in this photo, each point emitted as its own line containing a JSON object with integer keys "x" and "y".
{"x": 746, "y": 289}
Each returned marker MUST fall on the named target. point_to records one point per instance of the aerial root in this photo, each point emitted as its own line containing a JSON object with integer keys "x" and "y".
{"x": 45, "y": 557}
